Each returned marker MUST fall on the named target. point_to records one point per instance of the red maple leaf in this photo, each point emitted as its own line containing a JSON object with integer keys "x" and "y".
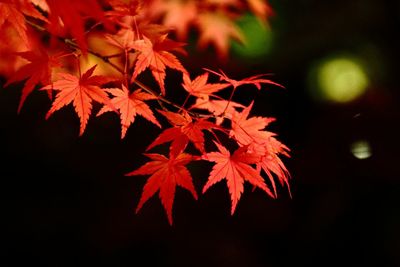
{"x": 68, "y": 17}
{"x": 130, "y": 104}
{"x": 270, "y": 162}
{"x": 157, "y": 58}
{"x": 13, "y": 12}
{"x": 80, "y": 91}
{"x": 217, "y": 29}
{"x": 166, "y": 174}
{"x": 123, "y": 39}
{"x": 220, "y": 108}
{"x": 248, "y": 130}
{"x": 184, "y": 130}
{"x": 121, "y": 9}
{"x": 199, "y": 86}
{"x": 39, "y": 70}
{"x": 235, "y": 169}
{"x": 179, "y": 15}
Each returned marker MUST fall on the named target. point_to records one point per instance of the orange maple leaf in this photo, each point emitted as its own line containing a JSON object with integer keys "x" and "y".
{"x": 130, "y": 104}
{"x": 166, "y": 174}
{"x": 80, "y": 91}
{"x": 39, "y": 70}
{"x": 235, "y": 169}
{"x": 157, "y": 58}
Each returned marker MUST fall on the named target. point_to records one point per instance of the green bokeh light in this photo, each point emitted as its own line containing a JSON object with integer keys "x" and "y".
{"x": 361, "y": 149}
{"x": 341, "y": 79}
{"x": 258, "y": 37}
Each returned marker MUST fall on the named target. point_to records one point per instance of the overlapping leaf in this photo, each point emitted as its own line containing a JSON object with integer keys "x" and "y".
{"x": 220, "y": 108}
{"x": 236, "y": 169}
{"x": 270, "y": 162}
{"x": 248, "y": 130}
{"x": 184, "y": 130}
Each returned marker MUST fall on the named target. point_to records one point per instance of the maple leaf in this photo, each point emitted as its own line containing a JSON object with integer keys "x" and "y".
{"x": 13, "y": 12}
{"x": 130, "y": 104}
{"x": 235, "y": 169}
{"x": 80, "y": 91}
{"x": 121, "y": 9}
{"x": 156, "y": 57}
{"x": 217, "y": 29}
{"x": 220, "y": 108}
{"x": 39, "y": 70}
{"x": 179, "y": 16}
{"x": 166, "y": 174}
{"x": 68, "y": 17}
{"x": 124, "y": 39}
{"x": 199, "y": 86}
{"x": 247, "y": 130}
{"x": 255, "y": 80}
{"x": 184, "y": 130}
{"x": 270, "y": 162}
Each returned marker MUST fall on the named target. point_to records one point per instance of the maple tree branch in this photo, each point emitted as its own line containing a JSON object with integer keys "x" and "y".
{"x": 229, "y": 100}
{"x": 215, "y": 136}
{"x": 186, "y": 100}
{"x": 106, "y": 59}
{"x": 93, "y": 27}
{"x": 94, "y": 53}
{"x": 114, "y": 55}
{"x": 36, "y": 26}
{"x": 126, "y": 66}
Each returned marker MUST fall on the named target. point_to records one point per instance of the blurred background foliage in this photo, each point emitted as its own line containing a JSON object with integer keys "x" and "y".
{"x": 67, "y": 203}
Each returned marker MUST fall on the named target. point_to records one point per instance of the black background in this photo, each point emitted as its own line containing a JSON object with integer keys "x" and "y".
{"x": 66, "y": 201}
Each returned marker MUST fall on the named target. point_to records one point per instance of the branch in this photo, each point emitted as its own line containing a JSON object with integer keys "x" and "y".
{"x": 106, "y": 59}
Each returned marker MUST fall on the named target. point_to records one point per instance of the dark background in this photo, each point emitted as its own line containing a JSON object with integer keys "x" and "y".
{"x": 66, "y": 201}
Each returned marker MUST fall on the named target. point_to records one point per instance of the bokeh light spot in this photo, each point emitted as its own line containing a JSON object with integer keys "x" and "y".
{"x": 342, "y": 80}
{"x": 361, "y": 149}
